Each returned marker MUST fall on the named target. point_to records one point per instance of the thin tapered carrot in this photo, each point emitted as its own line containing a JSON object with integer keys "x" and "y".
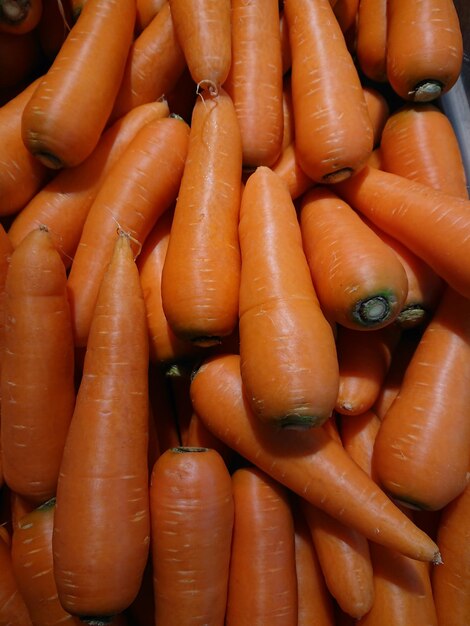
{"x": 419, "y": 142}
{"x": 131, "y": 197}
{"x": 154, "y": 64}
{"x": 203, "y": 28}
{"x": 38, "y": 393}
{"x": 262, "y": 580}
{"x": 310, "y": 463}
{"x": 85, "y": 75}
{"x": 430, "y": 414}
{"x": 366, "y": 294}
{"x": 451, "y": 581}
{"x": 424, "y": 48}
{"x": 379, "y": 111}
{"x": 64, "y": 202}
{"x": 364, "y": 359}
{"x": 431, "y": 223}
{"x": 371, "y": 39}
{"x": 255, "y": 80}
{"x": 287, "y": 167}
{"x": 333, "y": 129}
{"x": 146, "y": 10}
{"x": 20, "y": 16}
{"x": 192, "y": 511}
{"x": 13, "y": 610}
{"x": 200, "y": 278}
{"x": 288, "y": 357}
{"x": 358, "y": 437}
{"x": 101, "y": 523}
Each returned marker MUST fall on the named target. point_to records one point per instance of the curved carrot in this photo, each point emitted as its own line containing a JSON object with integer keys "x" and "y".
{"x": 192, "y": 513}
{"x": 255, "y": 80}
{"x": 287, "y": 167}
{"x": 424, "y": 48}
{"x": 102, "y": 493}
{"x": 13, "y": 610}
{"x": 200, "y": 279}
{"x": 430, "y": 415}
{"x": 371, "y": 39}
{"x": 130, "y": 197}
{"x": 288, "y": 357}
{"x": 20, "y": 16}
{"x": 262, "y": 581}
{"x": 310, "y": 463}
{"x": 358, "y": 437}
{"x": 38, "y": 393}
{"x": 333, "y": 129}
{"x": 366, "y": 294}
{"x": 88, "y": 56}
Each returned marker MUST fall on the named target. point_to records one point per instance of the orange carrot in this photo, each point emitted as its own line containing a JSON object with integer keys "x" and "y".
{"x": 96, "y": 62}
{"x": 5, "y": 252}
{"x": 333, "y": 128}
{"x": 255, "y": 80}
{"x": 130, "y": 197}
{"x": 288, "y": 357}
{"x": 424, "y": 48}
{"x": 197, "y": 436}
{"x": 371, "y": 39}
{"x": 20, "y": 16}
{"x": 13, "y": 610}
{"x": 346, "y": 14}
{"x": 285, "y": 44}
{"x": 192, "y": 512}
{"x": 358, "y": 437}
{"x": 379, "y": 111}
{"x": 146, "y": 10}
{"x": 430, "y": 414}
{"x": 101, "y": 523}
{"x": 288, "y": 168}
{"x": 38, "y": 393}
{"x": 200, "y": 279}
{"x": 19, "y": 507}
{"x": 310, "y": 463}
{"x": 366, "y": 294}
{"x": 262, "y": 581}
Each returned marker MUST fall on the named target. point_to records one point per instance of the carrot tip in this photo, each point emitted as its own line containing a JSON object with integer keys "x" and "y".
{"x": 209, "y": 85}
{"x": 299, "y": 422}
{"x": 437, "y": 560}
{"x": 412, "y": 316}
{"x": 372, "y": 312}
{"x": 426, "y": 90}
{"x": 49, "y": 160}
{"x": 338, "y": 176}
{"x": 206, "y": 342}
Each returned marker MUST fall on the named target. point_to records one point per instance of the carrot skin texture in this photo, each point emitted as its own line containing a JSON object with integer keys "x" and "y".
{"x": 37, "y": 386}
{"x": 200, "y": 293}
{"x": 106, "y": 455}
{"x": 281, "y": 322}
{"x": 192, "y": 512}
{"x": 6, "y": 249}
{"x": 379, "y": 112}
{"x": 306, "y": 462}
{"x": 287, "y": 167}
{"x": 371, "y": 39}
{"x": 13, "y": 610}
{"x": 89, "y": 57}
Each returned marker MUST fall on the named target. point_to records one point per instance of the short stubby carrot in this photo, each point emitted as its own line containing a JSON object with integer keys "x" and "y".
{"x": 84, "y": 76}
{"x": 365, "y": 294}
{"x": 333, "y": 130}
{"x": 288, "y": 355}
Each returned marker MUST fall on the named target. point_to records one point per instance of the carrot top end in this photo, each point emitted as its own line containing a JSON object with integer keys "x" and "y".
{"x": 295, "y": 421}
{"x": 49, "y": 160}
{"x": 426, "y": 90}
{"x": 338, "y": 175}
{"x": 374, "y": 311}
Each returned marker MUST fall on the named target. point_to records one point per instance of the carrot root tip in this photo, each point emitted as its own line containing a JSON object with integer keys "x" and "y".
{"x": 338, "y": 175}
{"x": 437, "y": 560}
{"x": 372, "y": 311}
{"x": 300, "y": 422}
{"x": 426, "y": 90}
{"x": 412, "y": 316}
{"x": 49, "y": 160}
{"x": 206, "y": 342}
{"x": 208, "y": 85}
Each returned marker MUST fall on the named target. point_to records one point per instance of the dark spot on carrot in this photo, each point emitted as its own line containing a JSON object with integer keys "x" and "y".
{"x": 49, "y": 160}
{"x": 339, "y": 175}
{"x": 426, "y": 90}
{"x": 372, "y": 311}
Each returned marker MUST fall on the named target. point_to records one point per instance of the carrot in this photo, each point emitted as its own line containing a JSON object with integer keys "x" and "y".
{"x": 255, "y": 80}
{"x": 429, "y": 415}
{"x": 310, "y": 463}
{"x": 19, "y": 507}
{"x": 431, "y": 223}
{"x": 288, "y": 168}
{"x": 197, "y": 436}
{"x": 371, "y": 39}
{"x": 54, "y": 26}
{"x": 424, "y": 48}
{"x": 37, "y": 385}
{"x": 154, "y": 64}
{"x": 379, "y": 111}
{"x": 363, "y": 361}
{"x": 262, "y": 582}
{"x": 19, "y": 16}
{"x": 346, "y": 14}
{"x": 13, "y": 610}
{"x": 146, "y": 10}
{"x": 96, "y": 62}
{"x": 200, "y": 278}
{"x": 203, "y": 28}
{"x": 101, "y": 523}
{"x": 419, "y": 142}
{"x": 64, "y": 202}
{"x": 192, "y": 512}
{"x": 358, "y": 437}
{"x": 131, "y": 197}
{"x": 285, "y": 44}
{"x": 451, "y": 581}
{"x": 5, "y": 252}
{"x": 288, "y": 356}
{"x": 366, "y": 294}
{"x": 333, "y": 128}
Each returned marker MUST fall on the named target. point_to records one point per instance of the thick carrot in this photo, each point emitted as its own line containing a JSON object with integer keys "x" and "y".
{"x": 64, "y": 202}
{"x": 287, "y": 167}
{"x": 101, "y": 523}
{"x": 365, "y": 294}
{"x": 131, "y": 197}
{"x": 333, "y": 130}
{"x": 203, "y": 28}
{"x": 200, "y": 279}
{"x": 288, "y": 356}
{"x": 358, "y": 437}
{"x": 431, "y": 223}
{"x": 13, "y": 610}
{"x": 192, "y": 511}
{"x": 430, "y": 415}
{"x": 154, "y": 64}
{"x": 371, "y": 39}
{"x": 379, "y": 111}
{"x": 424, "y": 48}
{"x": 310, "y": 463}
{"x": 262, "y": 582}
{"x": 37, "y": 385}
{"x": 255, "y": 80}
{"x": 85, "y": 76}
{"x": 20, "y": 16}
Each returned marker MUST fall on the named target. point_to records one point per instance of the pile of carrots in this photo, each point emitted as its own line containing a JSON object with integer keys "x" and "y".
{"x": 234, "y": 314}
